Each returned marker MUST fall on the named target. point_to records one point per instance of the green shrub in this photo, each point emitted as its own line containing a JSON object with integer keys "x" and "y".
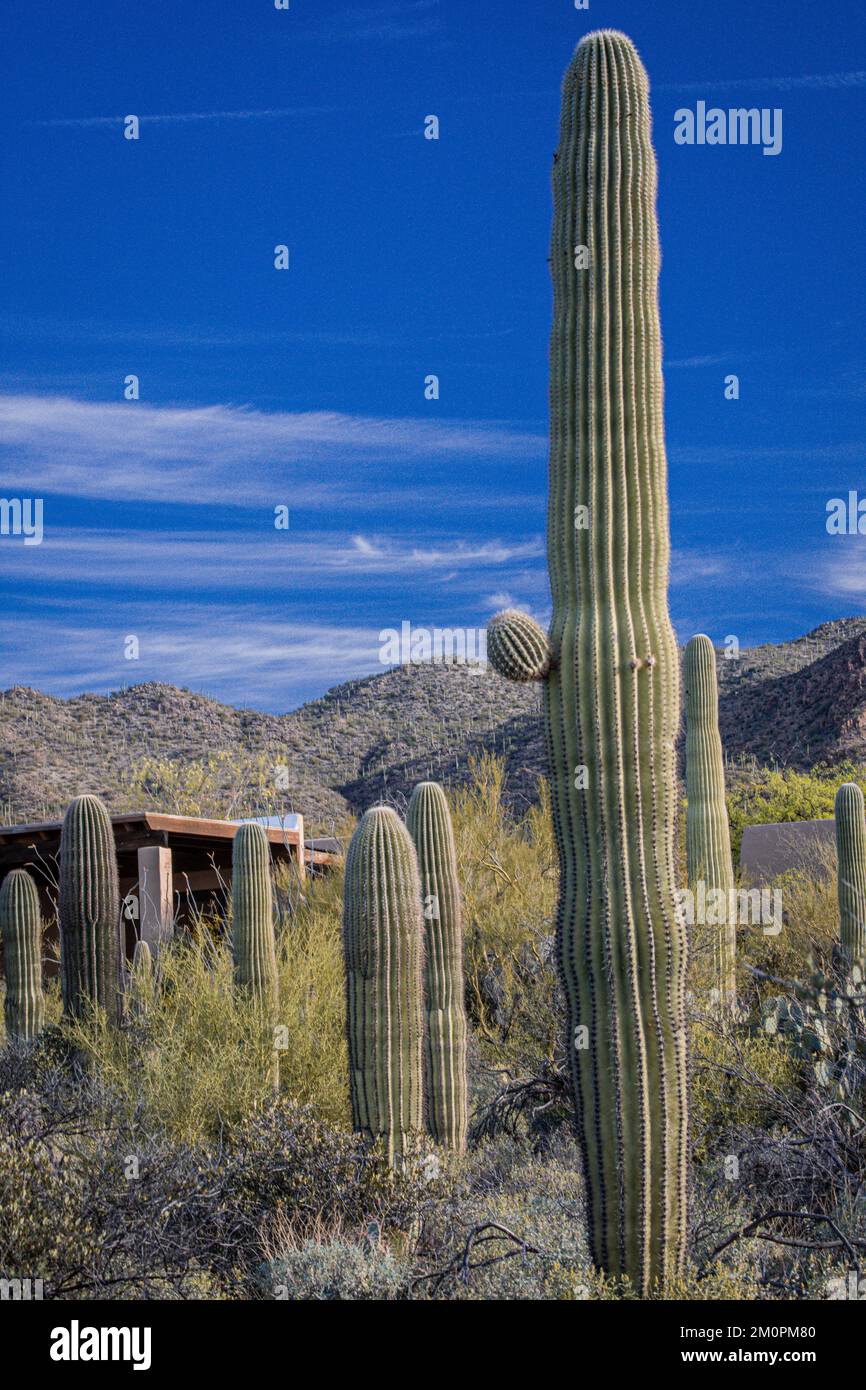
{"x": 335, "y": 1269}
{"x": 770, "y": 796}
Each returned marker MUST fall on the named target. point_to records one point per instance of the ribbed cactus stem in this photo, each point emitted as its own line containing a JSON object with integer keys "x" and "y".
{"x": 612, "y": 695}
{"x": 21, "y": 928}
{"x": 851, "y": 873}
{"x": 383, "y": 945}
{"x": 708, "y": 836}
{"x": 89, "y": 912}
{"x": 429, "y": 823}
{"x": 253, "y": 947}
{"x": 141, "y": 977}
{"x": 517, "y": 647}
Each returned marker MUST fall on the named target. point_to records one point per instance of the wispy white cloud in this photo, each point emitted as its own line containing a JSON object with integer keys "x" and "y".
{"x": 275, "y": 113}
{"x": 273, "y": 663}
{"x": 717, "y": 455}
{"x": 694, "y": 566}
{"x": 232, "y": 455}
{"x": 821, "y": 81}
{"x": 248, "y": 560}
{"x": 839, "y": 572}
{"x": 712, "y": 361}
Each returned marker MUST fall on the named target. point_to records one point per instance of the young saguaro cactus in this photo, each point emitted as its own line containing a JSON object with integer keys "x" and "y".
{"x": 253, "y": 948}
{"x": 89, "y": 912}
{"x": 611, "y": 697}
{"x": 851, "y": 873}
{"x": 383, "y": 946}
{"x": 708, "y": 836}
{"x": 21, "y": 927}
{"x": 429, "y": 823}
{"x": 142, "y": 978}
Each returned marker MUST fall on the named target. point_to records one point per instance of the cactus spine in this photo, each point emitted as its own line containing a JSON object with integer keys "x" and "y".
{"x": 708, "y": 836}
{"x": 429, "y": 823}
{"x": 89, "y": 912}
{"x": 21, "y": 927}
{"x": 611, "y": 698}
{"x": 253, "y": 948}
{"x": 851, "y": 876}
{"x": 383, "y": 946}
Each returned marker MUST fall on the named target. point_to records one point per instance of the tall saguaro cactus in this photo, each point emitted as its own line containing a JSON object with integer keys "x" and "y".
{"x": 383, "y": 945}
{"x": 611, "y": 697}
{"x": 89, "y": 912}
{"x": 851, "y": 873}
{"x": 21, "y": 928}
{"x": 253, "y": 948}
{"x": 708, "y": 836}
{"x": 429, "y": 823}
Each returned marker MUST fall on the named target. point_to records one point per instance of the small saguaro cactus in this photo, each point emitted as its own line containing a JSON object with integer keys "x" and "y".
{"x": 253, "y": 948}
{"x": 851, "y": 873}
{"x": 383, "y": 946}
{"x": 429, "y": 823}
{"x": 89, "y": 912}
{"x": 21, "y": 927}
{"x": 141, "y": 977}
{"x": 708, "y": 836}
{"x": 612, "y": 690}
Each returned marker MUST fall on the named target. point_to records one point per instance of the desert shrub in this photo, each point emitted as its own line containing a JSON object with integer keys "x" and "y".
{"x": 736, "y": 1080}
{"x": 226, "y": 784}
{"x": 195, "y": 1064}
{"x": 98, "y": 1202}
{"x": 762, "y": 796}
{"x": 335, "y": 1269}
{"x": 508, "y": 880}
{"x": 810, "y": 926}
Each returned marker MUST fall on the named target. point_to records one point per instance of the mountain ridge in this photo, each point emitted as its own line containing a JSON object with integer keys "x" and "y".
{"x": 371, "y": 738}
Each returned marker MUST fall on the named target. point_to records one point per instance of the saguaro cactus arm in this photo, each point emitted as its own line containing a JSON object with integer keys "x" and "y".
{"x": 517, "y": 647}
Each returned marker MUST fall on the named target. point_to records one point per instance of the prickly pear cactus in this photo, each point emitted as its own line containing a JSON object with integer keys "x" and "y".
{"x": 383, "y": 946}
{"x": 21, "y": 928}
{"x": 429, "y": 823}
{"x": 611, "y": 696}
{"x": 89, "y": 912}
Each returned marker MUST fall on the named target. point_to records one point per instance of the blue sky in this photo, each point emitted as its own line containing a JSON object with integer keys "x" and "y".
{"x": 408, "y": 257}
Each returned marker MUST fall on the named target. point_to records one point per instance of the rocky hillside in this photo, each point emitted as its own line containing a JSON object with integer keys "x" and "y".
{"x": 154, "y": 745}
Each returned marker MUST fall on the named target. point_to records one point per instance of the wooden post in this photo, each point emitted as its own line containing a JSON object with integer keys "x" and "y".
{"x": 155, "y": 897}
{"x": 302, "y": 863}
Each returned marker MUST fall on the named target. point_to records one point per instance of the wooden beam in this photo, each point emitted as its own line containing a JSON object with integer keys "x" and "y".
{"x": 155, "y": 896}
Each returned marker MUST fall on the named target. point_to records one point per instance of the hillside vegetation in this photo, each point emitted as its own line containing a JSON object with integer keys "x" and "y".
{"x": 157, "y": 747}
